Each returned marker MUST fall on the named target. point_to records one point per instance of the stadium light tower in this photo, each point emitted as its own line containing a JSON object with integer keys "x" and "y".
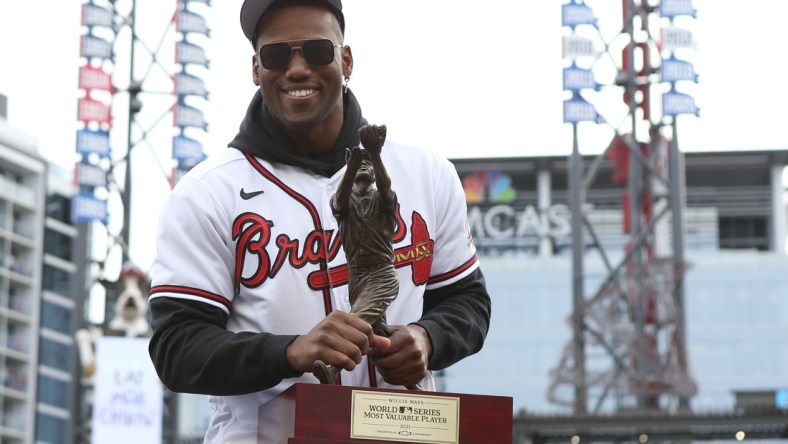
{"x": 628, "y": 351}
{"x": 114, "y": 40}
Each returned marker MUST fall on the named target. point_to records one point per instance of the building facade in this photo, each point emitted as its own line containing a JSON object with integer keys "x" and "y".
{"x": 40, "y": 303}
{"x": 736, "y": 277}
{"x": 22, "y": 203}
{"x": 61, "y": 315}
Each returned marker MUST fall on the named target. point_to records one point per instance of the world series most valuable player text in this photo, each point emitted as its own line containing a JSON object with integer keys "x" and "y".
{"x": 406, "y": 417}
{"x": 412, "y": 414}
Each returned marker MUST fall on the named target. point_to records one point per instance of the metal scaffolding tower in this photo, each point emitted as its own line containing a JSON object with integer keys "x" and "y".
{"x": 128, "y": 45}
{"x": 628, "y": 351}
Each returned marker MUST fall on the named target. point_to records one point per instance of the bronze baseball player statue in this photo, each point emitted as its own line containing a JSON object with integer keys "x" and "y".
{"x": 367, "y": 220}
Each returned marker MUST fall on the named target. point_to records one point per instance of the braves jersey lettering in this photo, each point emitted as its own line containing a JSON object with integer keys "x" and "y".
{"x": 246, "y": 228}
{"x": 312, "y": 253}
{"x": 400, "y": 231}
{"x": 252, "y": 234}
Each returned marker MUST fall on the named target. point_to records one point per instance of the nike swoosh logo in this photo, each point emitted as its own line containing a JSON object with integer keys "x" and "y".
{"x": 251, "y": 194}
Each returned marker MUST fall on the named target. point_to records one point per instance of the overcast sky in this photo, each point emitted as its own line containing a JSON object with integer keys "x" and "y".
{"x": 466, "y": 79}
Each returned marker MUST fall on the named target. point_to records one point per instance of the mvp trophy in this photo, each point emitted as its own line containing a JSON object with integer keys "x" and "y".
{"x": 367, "y": 218}
{"x": 365, "y": 208}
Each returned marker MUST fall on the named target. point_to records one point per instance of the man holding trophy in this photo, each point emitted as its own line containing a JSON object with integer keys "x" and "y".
{"x": 252, "y": 284}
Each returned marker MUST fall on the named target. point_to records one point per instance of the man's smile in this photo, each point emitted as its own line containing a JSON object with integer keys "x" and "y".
{"x": 301, "y": 92}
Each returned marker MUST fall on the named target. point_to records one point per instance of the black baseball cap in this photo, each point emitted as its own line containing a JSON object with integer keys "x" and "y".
{"x": 253, "y": 10}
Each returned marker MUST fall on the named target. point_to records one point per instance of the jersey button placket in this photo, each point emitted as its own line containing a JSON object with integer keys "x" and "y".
{"x": 330, "y": 224}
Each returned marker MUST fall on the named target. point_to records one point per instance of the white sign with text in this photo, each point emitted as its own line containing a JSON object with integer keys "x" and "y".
{"x": 128, "y": 396}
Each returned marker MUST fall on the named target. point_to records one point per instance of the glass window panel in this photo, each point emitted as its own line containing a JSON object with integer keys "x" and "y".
{"x": 50, "y": 429}
{"x": 56, "y": 317}
{"x": 57, "y": 281}
{"x": 58, "y": 244}
{"x": 56, "y": 355}
{"x": 53, "y": 392}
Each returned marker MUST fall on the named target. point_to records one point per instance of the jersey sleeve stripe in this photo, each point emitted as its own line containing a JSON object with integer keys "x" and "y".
{"x": 453, "y": 273}
{"x": 177, "y": 291}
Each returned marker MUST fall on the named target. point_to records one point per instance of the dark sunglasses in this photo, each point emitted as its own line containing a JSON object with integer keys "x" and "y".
{"x": 277, "y": 56}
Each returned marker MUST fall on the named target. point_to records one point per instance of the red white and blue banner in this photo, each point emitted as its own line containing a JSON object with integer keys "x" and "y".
{"x": 674, "y": 70}
{"x": 577, "y": 48}
{"x": 94, "y": 110}
{"x": 187, "y": 151}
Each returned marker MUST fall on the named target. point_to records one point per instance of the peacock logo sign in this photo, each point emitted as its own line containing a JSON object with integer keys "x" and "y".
{"x": 488, "y": 186}
{"x": 495, "y": 214}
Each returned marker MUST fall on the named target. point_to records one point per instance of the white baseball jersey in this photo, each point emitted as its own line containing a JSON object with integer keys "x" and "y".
{"x": 259, "y": 241}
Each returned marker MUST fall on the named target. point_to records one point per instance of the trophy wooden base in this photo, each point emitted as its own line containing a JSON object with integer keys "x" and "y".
{"x": 324, "y": 414}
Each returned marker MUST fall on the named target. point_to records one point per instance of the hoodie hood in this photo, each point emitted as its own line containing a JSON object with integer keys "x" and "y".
{"x": 260, "y": 136}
